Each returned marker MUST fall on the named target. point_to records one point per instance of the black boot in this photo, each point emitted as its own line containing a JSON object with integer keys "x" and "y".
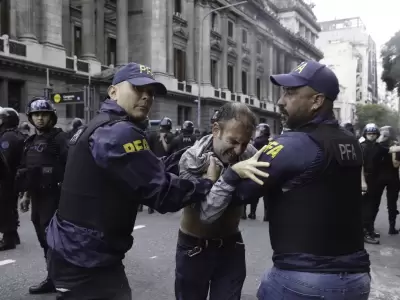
{"x": 252, "y": 216}
{"x": 45, "y": 287}
{"x": 266, "y": 217}
{"x": 140, "y": 208}
{"x": 8, "y": 242}
{"x": 150, "y": 211}
{"x": 369, "y": 238}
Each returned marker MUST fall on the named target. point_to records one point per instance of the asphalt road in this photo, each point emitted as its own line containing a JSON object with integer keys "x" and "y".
{"x": 150, "y": 264}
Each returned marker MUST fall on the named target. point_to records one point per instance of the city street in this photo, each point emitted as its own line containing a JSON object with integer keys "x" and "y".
{"x": 150, "y": 263}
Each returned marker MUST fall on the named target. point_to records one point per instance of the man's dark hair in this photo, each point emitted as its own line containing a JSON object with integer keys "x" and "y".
{"x": 237, "y": 111}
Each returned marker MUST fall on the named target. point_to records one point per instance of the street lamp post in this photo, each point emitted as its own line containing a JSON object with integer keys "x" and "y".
{"x": 200, "y": 58}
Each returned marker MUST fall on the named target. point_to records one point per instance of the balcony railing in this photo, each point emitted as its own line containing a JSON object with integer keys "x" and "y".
{"x": 8, "y": 46}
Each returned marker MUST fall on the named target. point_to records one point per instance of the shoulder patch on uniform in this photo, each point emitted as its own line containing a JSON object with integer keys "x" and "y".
{"x": 5, "y": 145}
{"x": 76, "y": 136}
{"x": 273, "y": 148}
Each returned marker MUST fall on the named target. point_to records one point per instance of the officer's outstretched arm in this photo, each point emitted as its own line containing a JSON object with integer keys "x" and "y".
{"x": 125, "y": 153}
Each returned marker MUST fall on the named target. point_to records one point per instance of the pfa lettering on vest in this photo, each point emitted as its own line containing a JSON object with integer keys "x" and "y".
{"x": 187, "y": 139}
{"x": 347, "y": 152}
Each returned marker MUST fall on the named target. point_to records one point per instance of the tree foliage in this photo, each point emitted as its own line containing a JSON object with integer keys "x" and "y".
{"x": 390, "y": 55}
{"x": 378, "y": 114}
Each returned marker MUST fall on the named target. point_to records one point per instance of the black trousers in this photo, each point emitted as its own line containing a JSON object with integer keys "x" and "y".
{"x": 372, "y": 199}
{"x": 253, "y": 206}
{"x": 102, "y": 283}
{"x": 214, "y": 266}
{"x": 43, "y": 206}
{"x": 9, "y": 219}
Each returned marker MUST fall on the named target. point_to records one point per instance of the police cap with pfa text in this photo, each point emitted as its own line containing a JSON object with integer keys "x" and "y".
{"x": 313, "y": 74}
{"x": 138, "y": 75}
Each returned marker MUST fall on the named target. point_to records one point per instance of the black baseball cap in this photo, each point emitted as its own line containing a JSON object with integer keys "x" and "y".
{"x": 313, "y": 74}
{"x": 138, "y": 75}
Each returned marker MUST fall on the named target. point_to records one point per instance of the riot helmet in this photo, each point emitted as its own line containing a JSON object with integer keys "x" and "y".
{"x": 349, "y": 127}
{"x": 371, "y": 132}
{"x": 166, "y": 124}
{"x": 188, "y": 127}
{"x": 9, "y": 117}
{"x": 263, "y": 129}
{"x": 41, "y": 104}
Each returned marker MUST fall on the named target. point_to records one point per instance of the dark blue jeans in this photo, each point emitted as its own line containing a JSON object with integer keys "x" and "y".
{"x": 215, "y": 266}
{"x": 291, "y": 285}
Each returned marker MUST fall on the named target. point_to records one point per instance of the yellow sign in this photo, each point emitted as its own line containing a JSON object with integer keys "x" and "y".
{"x": 57, "y": 98}
{"x": 273, "y": 149}
{"x": 136, "y": 146}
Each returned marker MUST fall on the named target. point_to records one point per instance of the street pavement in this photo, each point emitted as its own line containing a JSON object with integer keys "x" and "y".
{"x": 150, "y": 265}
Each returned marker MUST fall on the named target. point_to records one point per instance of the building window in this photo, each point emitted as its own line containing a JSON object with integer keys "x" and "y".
{"x": 214, "y": 21}
{"x": 178, "y": 6}
{"x": 184, "y": 114}
{"x": 230, "y": 29}
{"x": 75, "y": 111}
{"x": 4, "y": 17}
{"x": 230, "y": 78}
{"x": 15, "y": 99}
{"x": 244, "y": 36}
{"x": 258, "y": 88}
{"x": 179, "y": 65}
{"x": 77, "y": 41}
{"x": 244, "y": 82}
{"x": 263, "y": 120}
{"x": 214, "y": 72}
{"x": 111, "y": 51}
{"x": 258, "y": 47}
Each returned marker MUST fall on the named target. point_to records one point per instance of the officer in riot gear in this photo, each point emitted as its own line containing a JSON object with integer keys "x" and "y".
{"x": 262, "y": 137}
{"x": 388, "y": 176}
{"x": 25, "y": 129}
{"x": 41, "y": 173}
{"x": 75, "y": 125}
{"x": 159, "y": 141}
{"x": 185, "y": 139}
{"x": 374, "y": 155}
{"x": 11, "y": 147}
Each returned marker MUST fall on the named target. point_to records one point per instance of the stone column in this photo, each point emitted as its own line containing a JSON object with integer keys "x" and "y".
{"x": 26, "y": 20}
{"x": 100, "y": 37}
{"x": 224, "y": 55}
{"x": 170, "y": 36}
{"x": 239, "y": 62}
{"x": 253, "y": 66}
{"x": 271, "y": 62}
{"x": 13, "y": 19}
{"x": 88, "y": 31}
{"x": 52, "y": 23}
{"x": 266, "y": 65}
{"x": 122, "y": 32}
{"x": 189, "y": 15}
{"x": 206, "y": 44}
{"x": 66, "y": 27}
{"x": 282, "y": 63}
{"x": 159, "y": 31}
{"x": 293, "y": 63}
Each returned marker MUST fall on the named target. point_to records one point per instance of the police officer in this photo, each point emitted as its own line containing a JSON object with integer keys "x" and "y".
{"x": 41, "y": 173}
{"x": 110, "y": 170}
{"x": 25, "y": 129}
{"x": 185, "y": 139}
{"x": 348, "y": 126}
{"x": 75, "y": 124}
{"x": 314, "y": 192}
{"x": 389, "y": 176}
{"x": 11, "y": 147}
{"x": 159, "y": 142}
{"x": 262, "y": 136}
{"x": 374, "y": 155}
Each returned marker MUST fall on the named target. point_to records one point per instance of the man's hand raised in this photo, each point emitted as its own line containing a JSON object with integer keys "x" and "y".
{"x": 248, "y": 168}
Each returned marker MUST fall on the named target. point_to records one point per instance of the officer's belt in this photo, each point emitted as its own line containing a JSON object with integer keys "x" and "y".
{"x": 211, "y": 242}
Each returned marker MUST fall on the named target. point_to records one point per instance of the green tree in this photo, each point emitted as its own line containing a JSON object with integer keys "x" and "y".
{"x": 390, "y": 55}
{"x": 378, "y": 114}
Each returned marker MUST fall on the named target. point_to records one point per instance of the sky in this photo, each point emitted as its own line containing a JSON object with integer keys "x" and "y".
{"x": 381, "y": 17}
